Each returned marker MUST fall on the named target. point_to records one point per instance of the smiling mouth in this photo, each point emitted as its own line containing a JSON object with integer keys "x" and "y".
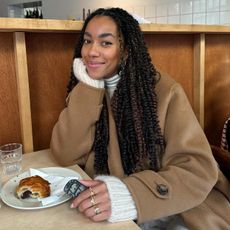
{"x": 94, "y": 64}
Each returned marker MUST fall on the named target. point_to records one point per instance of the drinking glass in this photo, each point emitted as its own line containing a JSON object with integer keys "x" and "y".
{"x": 0, "y": 182}
{"x": 11, "y": 158}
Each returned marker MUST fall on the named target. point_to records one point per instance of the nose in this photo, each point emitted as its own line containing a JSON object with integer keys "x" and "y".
{"x": 94, "y": 49}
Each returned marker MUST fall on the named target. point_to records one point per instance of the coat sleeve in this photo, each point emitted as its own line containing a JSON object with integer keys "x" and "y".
{"x": 73, "y": 134}
{"x": 189, "y": 170}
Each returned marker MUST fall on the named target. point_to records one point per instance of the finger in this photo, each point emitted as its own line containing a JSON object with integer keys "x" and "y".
{"x": 99, "y": 189}
{"x": 81, "y": 198}
{"x": 100, "y": 198}
{"x": 90, "y": 183}
{"x": 86, "y": 204}
{"x": 102, "y": 208}
{"x": 101, "y": 217}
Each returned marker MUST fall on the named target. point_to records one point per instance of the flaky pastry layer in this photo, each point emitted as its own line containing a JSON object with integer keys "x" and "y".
{"x": 34, "y": 187}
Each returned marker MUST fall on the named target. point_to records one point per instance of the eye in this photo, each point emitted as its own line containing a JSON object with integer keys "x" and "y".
{"x": 106, "y": 43}
{"x": 86, "y": 41}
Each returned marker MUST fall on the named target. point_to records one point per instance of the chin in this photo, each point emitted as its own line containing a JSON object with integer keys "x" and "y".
{"x": 96, "y": 77}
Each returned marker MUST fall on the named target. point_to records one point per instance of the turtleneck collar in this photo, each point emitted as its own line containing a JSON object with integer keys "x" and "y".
{"x": 112, "y": 81}
{"x": 111, "y": 84}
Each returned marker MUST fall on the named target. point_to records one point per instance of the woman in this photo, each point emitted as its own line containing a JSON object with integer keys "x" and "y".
{"x": 134, "y": 132}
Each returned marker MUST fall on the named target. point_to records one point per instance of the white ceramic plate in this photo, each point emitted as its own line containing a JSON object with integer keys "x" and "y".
{"x": 8, "y": 190}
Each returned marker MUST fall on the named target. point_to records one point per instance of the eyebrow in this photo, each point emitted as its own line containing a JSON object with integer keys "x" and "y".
{"x": 104, "y": 35}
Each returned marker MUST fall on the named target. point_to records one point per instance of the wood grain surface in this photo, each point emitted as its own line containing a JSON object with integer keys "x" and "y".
{"x": 9, "y": 111}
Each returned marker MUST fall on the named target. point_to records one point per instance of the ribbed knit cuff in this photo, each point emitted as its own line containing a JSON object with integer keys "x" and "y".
{"x": 81, "y": 74}
{"x": 122, "y": 204}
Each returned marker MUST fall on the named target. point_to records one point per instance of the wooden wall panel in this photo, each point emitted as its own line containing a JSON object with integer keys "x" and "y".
{"x": 173, "y": 54}
{"x": 9, "y": 113}
{"x": 21, "y": 68}
{"x": 49, "y": 63}
{"x": 217, "y": 85}
{"x": 198, "y": 77}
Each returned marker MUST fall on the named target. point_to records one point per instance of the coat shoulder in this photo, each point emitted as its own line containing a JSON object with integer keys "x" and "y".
{"x": 166, "y": 87}
{"x": 165, "y": 83}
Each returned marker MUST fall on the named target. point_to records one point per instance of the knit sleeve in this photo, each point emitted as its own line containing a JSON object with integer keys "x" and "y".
{"x": 81, "y": 74}
{"x": 122, "y": 204}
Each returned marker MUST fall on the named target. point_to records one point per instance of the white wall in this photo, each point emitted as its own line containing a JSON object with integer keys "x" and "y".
{"x": 156, "y": 11}
{"x": 64, "y": 9}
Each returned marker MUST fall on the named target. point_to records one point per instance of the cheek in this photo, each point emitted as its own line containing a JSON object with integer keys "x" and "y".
{"x": 83, "y": 53}
{"x": 114, "y": 67}
{"x": 115, "y": 58}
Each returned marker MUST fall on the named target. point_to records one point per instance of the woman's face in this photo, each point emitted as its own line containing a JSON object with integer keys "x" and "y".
{"x": 101, "y": 51}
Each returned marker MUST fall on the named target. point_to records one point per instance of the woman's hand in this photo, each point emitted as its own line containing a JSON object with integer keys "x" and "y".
{"x": 94, "y": 202}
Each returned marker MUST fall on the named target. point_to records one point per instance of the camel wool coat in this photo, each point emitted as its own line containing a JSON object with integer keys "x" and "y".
{"x": 189, "y": 182}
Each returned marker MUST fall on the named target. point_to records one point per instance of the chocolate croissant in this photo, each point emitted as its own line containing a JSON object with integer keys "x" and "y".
{"x": 33, "y": 187}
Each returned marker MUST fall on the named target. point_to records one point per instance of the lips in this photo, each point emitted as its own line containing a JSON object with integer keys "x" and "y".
{"x": 94, "y": 64}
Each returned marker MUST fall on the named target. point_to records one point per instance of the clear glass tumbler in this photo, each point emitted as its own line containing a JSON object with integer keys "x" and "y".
{"x": 0, "y": 182}
{"x": 11, "y": 158}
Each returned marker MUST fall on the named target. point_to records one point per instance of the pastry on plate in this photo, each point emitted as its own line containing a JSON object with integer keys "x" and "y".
{"x": 33, "y": 187}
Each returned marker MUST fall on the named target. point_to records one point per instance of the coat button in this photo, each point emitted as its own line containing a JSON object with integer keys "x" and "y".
{"x": 162, "y": 189}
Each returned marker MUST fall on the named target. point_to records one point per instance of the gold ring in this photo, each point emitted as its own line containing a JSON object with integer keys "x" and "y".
{"x": 92, "y": 201}
{"x": 97, "y": 210}
{"x": 92, "y": 193}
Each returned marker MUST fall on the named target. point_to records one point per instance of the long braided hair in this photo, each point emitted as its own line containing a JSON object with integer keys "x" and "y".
{"x": 134, "y": 102}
